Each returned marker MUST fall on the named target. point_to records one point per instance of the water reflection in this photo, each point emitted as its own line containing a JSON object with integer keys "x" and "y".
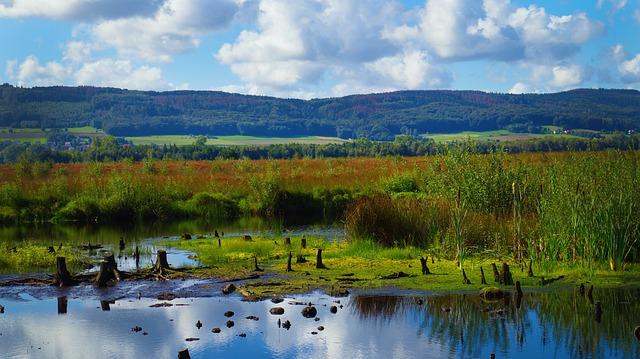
{"x": 555, "y": 324}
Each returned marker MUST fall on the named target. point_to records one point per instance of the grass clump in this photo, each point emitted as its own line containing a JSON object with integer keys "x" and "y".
{"x": 31, "y": 257}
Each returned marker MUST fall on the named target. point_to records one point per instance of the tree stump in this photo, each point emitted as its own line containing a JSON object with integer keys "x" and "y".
{"x": 506, "y": 277}
{"x": 303, "y": 243}
{"x": 108, "y": 271}
{"x": 255, "y": 265}
{"x": 423, "y": 264}
{"x": 287, "y": 241}
{"x": 289, "y": 269}
{"x": 63, "y": 278}
{"x": 105, "y": 305}
{"x": 465, "y": 279}
{"x": 51, "y": 250}
{"x": 184, "y": 354}
{"x": 496, "y": 274}
{"x": 161, "y": 262}
{"x": 483, "y": 280}
{"x": 215, "y": 234}
{"x": 581, "y": 289}
{"x": 121, "y": 244}
{"x": 530, "y": 273}
{"x": 219, "y": 243}
{"x": 136, "y": 255}
{"x": 62, "y": 305}
{"x": 319, "y": 264}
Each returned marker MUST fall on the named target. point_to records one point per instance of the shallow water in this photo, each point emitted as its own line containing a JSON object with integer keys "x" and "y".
{"x": 148, "y": 236}
{"x": 558, "y": 324}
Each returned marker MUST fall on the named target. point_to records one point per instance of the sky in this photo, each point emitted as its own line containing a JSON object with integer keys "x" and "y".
{"x": 322, "y": 48}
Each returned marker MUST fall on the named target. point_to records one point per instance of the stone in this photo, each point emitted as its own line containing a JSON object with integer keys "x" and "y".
{"x": 216, "y": 330}
{"x": 228, "y": 314}
{"x": 230, "y": 323}
{"x": 333, "y": 309}
{"x": 309, "y": 312}
{"x": 276, "y": 310}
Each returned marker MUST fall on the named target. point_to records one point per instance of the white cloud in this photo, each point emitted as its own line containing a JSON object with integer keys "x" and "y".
{"x": 616, "y": 5}
{"x": 636, "y": 16}
{"x": 519, "y": 88}
{"x": 565, "y": 77}
{"x": 174, "y": 29}
{"x": 470, "y": 29}
{"x": 103, "y": 72}
{"x": 81, "y": 10}
{"x": 628, "y": 65}
{"x": 31, "y": 73}
{"x": 410, "y": 70}
{"x": 77, "y": 51}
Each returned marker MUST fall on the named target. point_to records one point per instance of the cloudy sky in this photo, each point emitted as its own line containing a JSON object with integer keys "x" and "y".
{"x": 320, "y": 48}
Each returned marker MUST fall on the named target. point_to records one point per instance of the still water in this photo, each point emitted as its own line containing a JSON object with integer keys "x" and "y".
{"x": 556, "y": 324}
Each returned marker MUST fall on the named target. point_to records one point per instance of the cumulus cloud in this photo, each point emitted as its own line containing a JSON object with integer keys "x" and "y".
{"x": 175, "y": 28}
{"x": 80, "y": 10}
{"x": 102, "y": 72}
{"x": 519, "y": 88}
{"x": 77, "y": 51}
{"x": 566, "y": 77}
{"x": 470, "y": 29}
{"x": 32, "y": 73}
{"x": 628, "y": 65}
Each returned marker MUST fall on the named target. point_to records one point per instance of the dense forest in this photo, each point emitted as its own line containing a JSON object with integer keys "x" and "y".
{"x": 111, "y": 149}
{"x": 376, "y": 116}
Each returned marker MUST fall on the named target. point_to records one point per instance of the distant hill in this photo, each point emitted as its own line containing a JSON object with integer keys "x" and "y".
{"x": 375, "y": 116}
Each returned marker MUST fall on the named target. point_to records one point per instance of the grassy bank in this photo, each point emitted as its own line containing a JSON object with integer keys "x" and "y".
{"x": 367, "y": 265}
{"x": 30, "y": 257}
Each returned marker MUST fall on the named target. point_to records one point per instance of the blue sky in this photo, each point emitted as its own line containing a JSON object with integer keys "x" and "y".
{"x": 321, "y": 48}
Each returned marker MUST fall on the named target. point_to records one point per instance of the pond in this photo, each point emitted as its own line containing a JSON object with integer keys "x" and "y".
{"x": 148, "y": 236}
{"x": 559, "y": 324}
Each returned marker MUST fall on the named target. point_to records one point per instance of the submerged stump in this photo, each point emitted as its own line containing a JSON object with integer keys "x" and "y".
{"x": 108, "y": 271}
{"x": 62, "y": 305}
{"x": 161, "y": 262}
{"x": 496, "y": 274}
{"x": 505, "y": 277}
{"x": 303, "y": 243}
{"x": 423, "y": 264}
{"x": 319, "y": 264}
{"x": 465, "y": 279}
{"x": 483, "y": 280}
{"x": 289, "y": 269}
{"x": 63, "y": 278}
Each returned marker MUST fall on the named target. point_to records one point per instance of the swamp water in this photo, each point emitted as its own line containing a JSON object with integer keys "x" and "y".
{"x": 87, "y": 322}
{"x": 557, "y": 324}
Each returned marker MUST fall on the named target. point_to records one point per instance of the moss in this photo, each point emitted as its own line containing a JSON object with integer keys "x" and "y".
{"x": 363, "y": 264}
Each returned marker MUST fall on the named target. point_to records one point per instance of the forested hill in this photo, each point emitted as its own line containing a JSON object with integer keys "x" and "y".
{"x": 376, "y": 116}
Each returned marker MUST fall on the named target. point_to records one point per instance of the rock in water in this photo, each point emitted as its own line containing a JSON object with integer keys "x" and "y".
{"x": 228, "y": 314}
{"x": 216, "y": 330}
{"x": 1, "y": 309}
{"x": 229, "y": 288}
{"x": 230, "y": 323}
{"x": 309, "y": 312}
{"x": 333, "y": 309}
{"x": 276, "y": 310}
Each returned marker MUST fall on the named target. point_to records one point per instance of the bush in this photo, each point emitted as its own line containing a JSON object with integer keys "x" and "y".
{"x": 210, "y": 205}
{"x": 401, "y": 183}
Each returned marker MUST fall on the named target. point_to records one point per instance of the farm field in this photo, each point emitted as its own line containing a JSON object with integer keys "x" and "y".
{"x": 498, "y": 135}
{"x": 181, "y": 140}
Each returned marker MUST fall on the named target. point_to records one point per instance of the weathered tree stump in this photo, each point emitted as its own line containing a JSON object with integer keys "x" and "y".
{"x": 319, "y": 264}
{"x": 51, "y": 250}
{"x": 255, "y": 265}
{"x": 136, "y": 255}
{"x": 161, "y": 262}
{"x": 215, "y": 234}
{"x": 63, "y": 278}
{"x": 108, "y": 271}
{"x": 289, "y": 269}
{"x": 303, "y": 243}
{"x": 121, "y": 244}
{"x": 219, "y": 243}
{"x": 496, "y": 274}
{"x": 505, "y": 276}
{"x": 184, "y": 354}
{"x": 483, "y": 280}
{"x": 301, "y": 259}
{"x": 62, "y": 305}
{"x": 248, "y": 238}
{"x": 105, "y": 305}
{"x": 287, "y": 241}
{"x": 465, "y": 279}
{"x": 423, "y": 264}
{"x": 530, "y": 273}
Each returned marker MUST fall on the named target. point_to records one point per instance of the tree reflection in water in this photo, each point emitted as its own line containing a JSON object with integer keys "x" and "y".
{"x": 469, "y": 325}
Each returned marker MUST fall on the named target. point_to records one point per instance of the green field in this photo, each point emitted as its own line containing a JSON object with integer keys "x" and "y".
{"x": 37, "y": 135}
{"x": 498, "y": 135}
{"x": 231, "y": 140}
